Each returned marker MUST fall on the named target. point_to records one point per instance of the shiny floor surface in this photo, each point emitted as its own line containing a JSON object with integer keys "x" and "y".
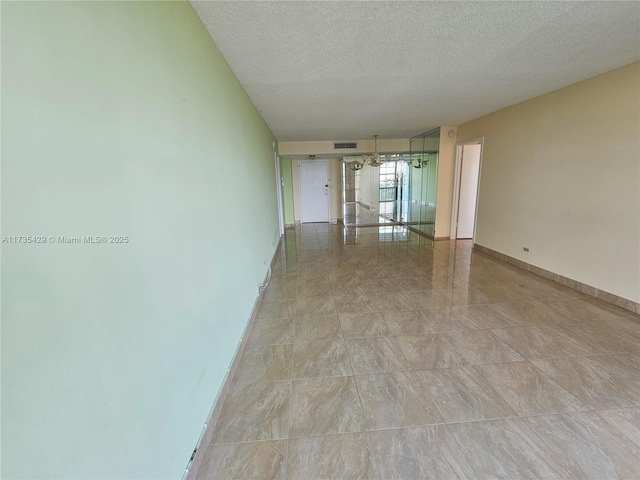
{"x": 377, "y": 353}
{"x": 354, "y": 214}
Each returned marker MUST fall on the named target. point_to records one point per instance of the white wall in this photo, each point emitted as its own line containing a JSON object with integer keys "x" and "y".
{"x": 561, "y": 176}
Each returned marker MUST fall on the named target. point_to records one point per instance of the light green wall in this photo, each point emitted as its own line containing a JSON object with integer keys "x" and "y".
{"x": 287, "y": 190}
{"x": 122, "y": 118}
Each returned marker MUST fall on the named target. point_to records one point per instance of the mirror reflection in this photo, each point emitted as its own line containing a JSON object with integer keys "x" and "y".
{"x": 402, "y": 190}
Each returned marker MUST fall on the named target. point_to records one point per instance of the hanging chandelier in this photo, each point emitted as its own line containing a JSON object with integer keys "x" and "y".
{"x": 373, "y": 161}
{"x": 419, "y": 162}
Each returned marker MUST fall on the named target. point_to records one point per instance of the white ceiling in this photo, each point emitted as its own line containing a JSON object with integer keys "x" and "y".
{"x": 348, "y": 70}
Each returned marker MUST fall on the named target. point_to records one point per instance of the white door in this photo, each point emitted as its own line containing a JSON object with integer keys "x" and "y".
{"x": 469, "y": 171}
{"x": 313, "y": 177}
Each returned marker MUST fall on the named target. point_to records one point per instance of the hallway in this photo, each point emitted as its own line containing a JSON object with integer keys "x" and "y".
{"x": 377, "y": 353}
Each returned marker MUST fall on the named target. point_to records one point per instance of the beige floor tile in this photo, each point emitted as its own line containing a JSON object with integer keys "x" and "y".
{"x": 370, "y": 286}
{"x": 623, "y": 420}
{"x": 543, "y": 291}
{"x": 507, "y": 449}
{"x": 265, "y": 363}
{"x": 389, "y": 302}
{"x": 412, "y": 319}
{"x": 272, "y": 331}
{"x": 346, "y": 288}
{"x": 346, "y": 456}
{"x": 322, "y": 305}
{"x": 255, "y": 460}
{"x": 409, "y": 322}
{"x": 462, "y": 395}
{"x": 274, "y": 309}
{"x": 395, "y": 399}
{"x": 281, "y": 291}
{"x": 399, "y": 271}
{"x": 356, "y": 304}
{"x": 428, "y": 299}
{"x": 254, "y": 411}
{"x": 324, "y": 406}
{"x": 468, "y": 296}
{"x": 527, "y": 390}
{"x": 576, "y": 309}
{"x": 321, "y": 359}
{"x": 533, "y": 342}
{"x": 376, "y": 355}
{"x": 317, "y": 328}
{"x": 419, "y": 453}
{"x": 359, "y": 325}
{"x": 485, "y": 316}
{"x": 451, "y": 319}
{"x": 414, "y": 284}
{"x": 481, "y": 346}
{"x": 426, "y": 352}
{"x": 606, "y": 335}
{"x": 529, "y": 313}
{"x": 599, "y": 381}
{"x": 506, "y": 293}
{"x": 586, "y": 447}
{"x": 310, "y": 290}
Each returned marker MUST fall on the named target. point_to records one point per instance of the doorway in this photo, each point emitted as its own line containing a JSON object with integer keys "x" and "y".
{"x": 313, "y": 178}
{"x": 279, "y": 183}
{"x": 466, "y": 189}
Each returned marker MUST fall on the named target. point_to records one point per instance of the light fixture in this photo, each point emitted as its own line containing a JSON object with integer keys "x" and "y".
{"x": 419, "y": 162}
{"x": 374, "y": 160}
{"x": 356, "y": 165}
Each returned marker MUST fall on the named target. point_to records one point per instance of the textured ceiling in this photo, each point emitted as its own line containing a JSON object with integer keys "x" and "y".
{"x": 348, "y": 70}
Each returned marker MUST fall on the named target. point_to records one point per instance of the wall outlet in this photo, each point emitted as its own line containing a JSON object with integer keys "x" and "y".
{"x": 526, "y": 249}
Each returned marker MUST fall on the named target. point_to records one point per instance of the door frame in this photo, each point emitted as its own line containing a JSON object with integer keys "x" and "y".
{"x": 456, "y": 187}
{"x": 279, "y": 183}
{"x": 326, "y": 164}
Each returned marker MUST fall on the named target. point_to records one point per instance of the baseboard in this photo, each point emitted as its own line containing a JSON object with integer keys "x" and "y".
{"x": 205, "y": 438}
{"x": 616, "y": 300}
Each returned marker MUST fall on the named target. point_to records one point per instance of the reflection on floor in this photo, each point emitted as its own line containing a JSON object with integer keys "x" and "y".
{"x": 378, "y": 353}
{"x": 355, "y": 214}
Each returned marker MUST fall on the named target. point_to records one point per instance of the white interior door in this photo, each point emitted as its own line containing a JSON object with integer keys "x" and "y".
{"x": 469, "y": 171}
{"x": 313, "y": 177}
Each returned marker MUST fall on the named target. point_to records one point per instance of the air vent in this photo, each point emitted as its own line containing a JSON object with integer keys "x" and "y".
{"x": 344, "y": 145}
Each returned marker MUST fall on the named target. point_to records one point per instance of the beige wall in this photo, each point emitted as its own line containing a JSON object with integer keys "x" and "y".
{"x": 561, "y": 175}
{"x": 446, "y": 167}
{"x": 326, "y": 148}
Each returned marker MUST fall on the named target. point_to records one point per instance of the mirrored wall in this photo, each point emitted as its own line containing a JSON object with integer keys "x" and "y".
{"x": 401, "y": 190}
{"x": 424, "y": 180}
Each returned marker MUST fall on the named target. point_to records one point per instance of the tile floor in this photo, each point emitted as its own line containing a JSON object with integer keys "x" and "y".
{"x": 377, "y": 353}
{"x": 355, "y": 214}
